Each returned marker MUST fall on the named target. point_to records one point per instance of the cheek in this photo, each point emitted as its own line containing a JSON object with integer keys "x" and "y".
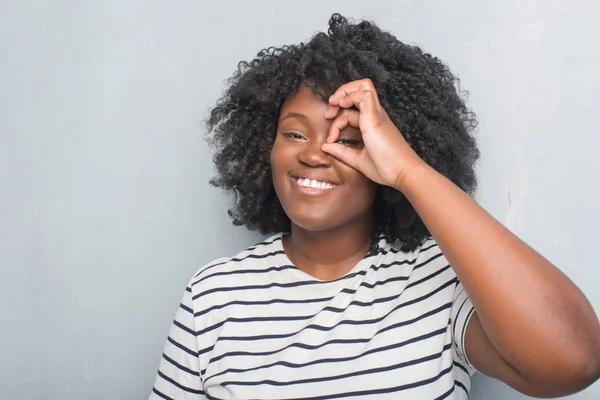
{"x": 279, "y": 160}
{"x": 283, "y": 156}
{"x": 359, "y": 183}
{"x": 275, "y": 158}
{"x": 354, "y": 178}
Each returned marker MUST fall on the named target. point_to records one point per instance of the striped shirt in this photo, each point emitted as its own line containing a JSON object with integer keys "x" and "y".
{"x": 254, "y": 326}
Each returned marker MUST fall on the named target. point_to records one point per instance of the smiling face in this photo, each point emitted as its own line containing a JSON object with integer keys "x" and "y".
{"x": 317, "y": 192}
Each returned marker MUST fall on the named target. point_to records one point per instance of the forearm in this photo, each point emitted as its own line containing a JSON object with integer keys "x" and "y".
{"x": 532, "y": 313}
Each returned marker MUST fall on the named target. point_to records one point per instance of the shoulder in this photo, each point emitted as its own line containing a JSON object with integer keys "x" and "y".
{"x": 424, "y": 272}
{"x": 428, "y": 252}
{"x": 257, "y": 256}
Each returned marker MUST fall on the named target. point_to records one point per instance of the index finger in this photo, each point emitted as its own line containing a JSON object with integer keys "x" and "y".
{"x": 351, "y": 87}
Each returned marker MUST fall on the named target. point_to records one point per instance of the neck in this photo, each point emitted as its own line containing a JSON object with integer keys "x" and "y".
{"x": 328, "y": 254}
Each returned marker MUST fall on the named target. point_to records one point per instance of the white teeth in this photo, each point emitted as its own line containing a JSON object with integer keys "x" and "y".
{"x": 311, "y": 183}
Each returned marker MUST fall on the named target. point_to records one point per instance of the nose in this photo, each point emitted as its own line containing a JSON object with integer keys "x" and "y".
{"x": 312, "y": 155}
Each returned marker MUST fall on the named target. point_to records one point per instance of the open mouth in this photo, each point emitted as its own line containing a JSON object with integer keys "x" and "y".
{"x": 313, "y": 184}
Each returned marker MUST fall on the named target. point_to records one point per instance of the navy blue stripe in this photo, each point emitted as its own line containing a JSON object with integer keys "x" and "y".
{"x": 456, "y": 296}
{"x": 210, "y": 266}
{"x": 183, "y": 327}
{"x": 456, "y": 317}
{"x": 179, "y": 385}
{"x": 242, "y": 271}
{"x": 343, "y": 376}
{"x": 460, "y": 385}
{"x": 459, "y": 293}
{"x": 255, "y": 256}
{"x": 335, "y": 360}
{"x": 383, "y": 282}
{"x": 377, "y": 267}
{"x": 362, "y": 303}
{"x": 459, "y": 365}
{"x": 445, "y": 395}
{"x": 251, "y": 319}
{"x": 292, "y": 284}
{"x": 396, "y": 251}
{"x": 160, "y": 394}
{"x": 428, "y": 239}
{"x": 238, "y": 260}
{"x": 422, "y": 316}
{"x": 181, "y": 367}
{"x": 254, "y": 287}
{"x": 381, "y": 391}
{"x": 426, "y": 262}
{"x": 262, "y": 302}
{"x": 245, "y": 271}
{"x": 462, "y": 340}
{"x": 182, "y": 347}
{"x": 263, "y": 243}
{"x": 206, "y": 350}
{"x": 256, "y": 337}
{"x": 428, "y": 277}
{"x": 186, "y": 308}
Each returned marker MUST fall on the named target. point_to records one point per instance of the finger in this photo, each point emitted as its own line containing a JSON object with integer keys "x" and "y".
{"x": 364, "y": 100}
{"x": 331, "y": 111}
{"x": 350, "y": 87}
{"x": 345, "y": 154}
{"x": 348, "y": 117}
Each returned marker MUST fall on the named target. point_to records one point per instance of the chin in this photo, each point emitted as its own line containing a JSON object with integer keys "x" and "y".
{"x": 312, "y": 223}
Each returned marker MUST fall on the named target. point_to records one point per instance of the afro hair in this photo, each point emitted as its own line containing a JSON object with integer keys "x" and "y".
{"x": 418, "y": 91}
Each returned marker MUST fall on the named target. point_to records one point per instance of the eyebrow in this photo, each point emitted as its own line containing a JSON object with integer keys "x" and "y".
{"x": 293, "y": 115}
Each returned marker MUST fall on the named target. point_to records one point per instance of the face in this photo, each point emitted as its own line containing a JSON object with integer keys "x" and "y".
{"x": 317, "y": 192}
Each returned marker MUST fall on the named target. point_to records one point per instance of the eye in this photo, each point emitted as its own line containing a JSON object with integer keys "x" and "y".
{"x": 349, "y": 142}
{"x": 293, "y": 135}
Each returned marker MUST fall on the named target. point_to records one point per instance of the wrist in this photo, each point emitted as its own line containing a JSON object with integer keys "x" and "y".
{"x": 411, "y": 176}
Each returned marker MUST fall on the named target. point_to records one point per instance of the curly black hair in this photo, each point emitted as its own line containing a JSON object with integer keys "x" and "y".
{"x": 419, "y": 93}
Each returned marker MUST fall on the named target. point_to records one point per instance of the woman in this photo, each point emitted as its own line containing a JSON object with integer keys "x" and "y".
{"x": 382, "y": 278}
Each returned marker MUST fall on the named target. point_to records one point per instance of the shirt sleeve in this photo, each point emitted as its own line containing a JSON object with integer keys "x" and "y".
{"x": 461, "y": 312}
{"x": 178, "y": 375}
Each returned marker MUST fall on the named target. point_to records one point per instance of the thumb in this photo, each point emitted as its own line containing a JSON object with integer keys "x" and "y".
{"x": 345, "y": 154}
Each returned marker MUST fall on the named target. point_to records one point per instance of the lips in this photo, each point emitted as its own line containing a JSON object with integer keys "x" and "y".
{"x": 314, "y": 177}
{"x": 314, "y": 184}
{"x": 309, "y": 186}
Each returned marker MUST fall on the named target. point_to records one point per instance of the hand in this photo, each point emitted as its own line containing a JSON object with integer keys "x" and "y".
{"x": 386, "y": 157}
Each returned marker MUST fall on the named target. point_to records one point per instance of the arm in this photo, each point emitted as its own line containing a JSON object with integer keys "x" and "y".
{"x": 533, "y": 328}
